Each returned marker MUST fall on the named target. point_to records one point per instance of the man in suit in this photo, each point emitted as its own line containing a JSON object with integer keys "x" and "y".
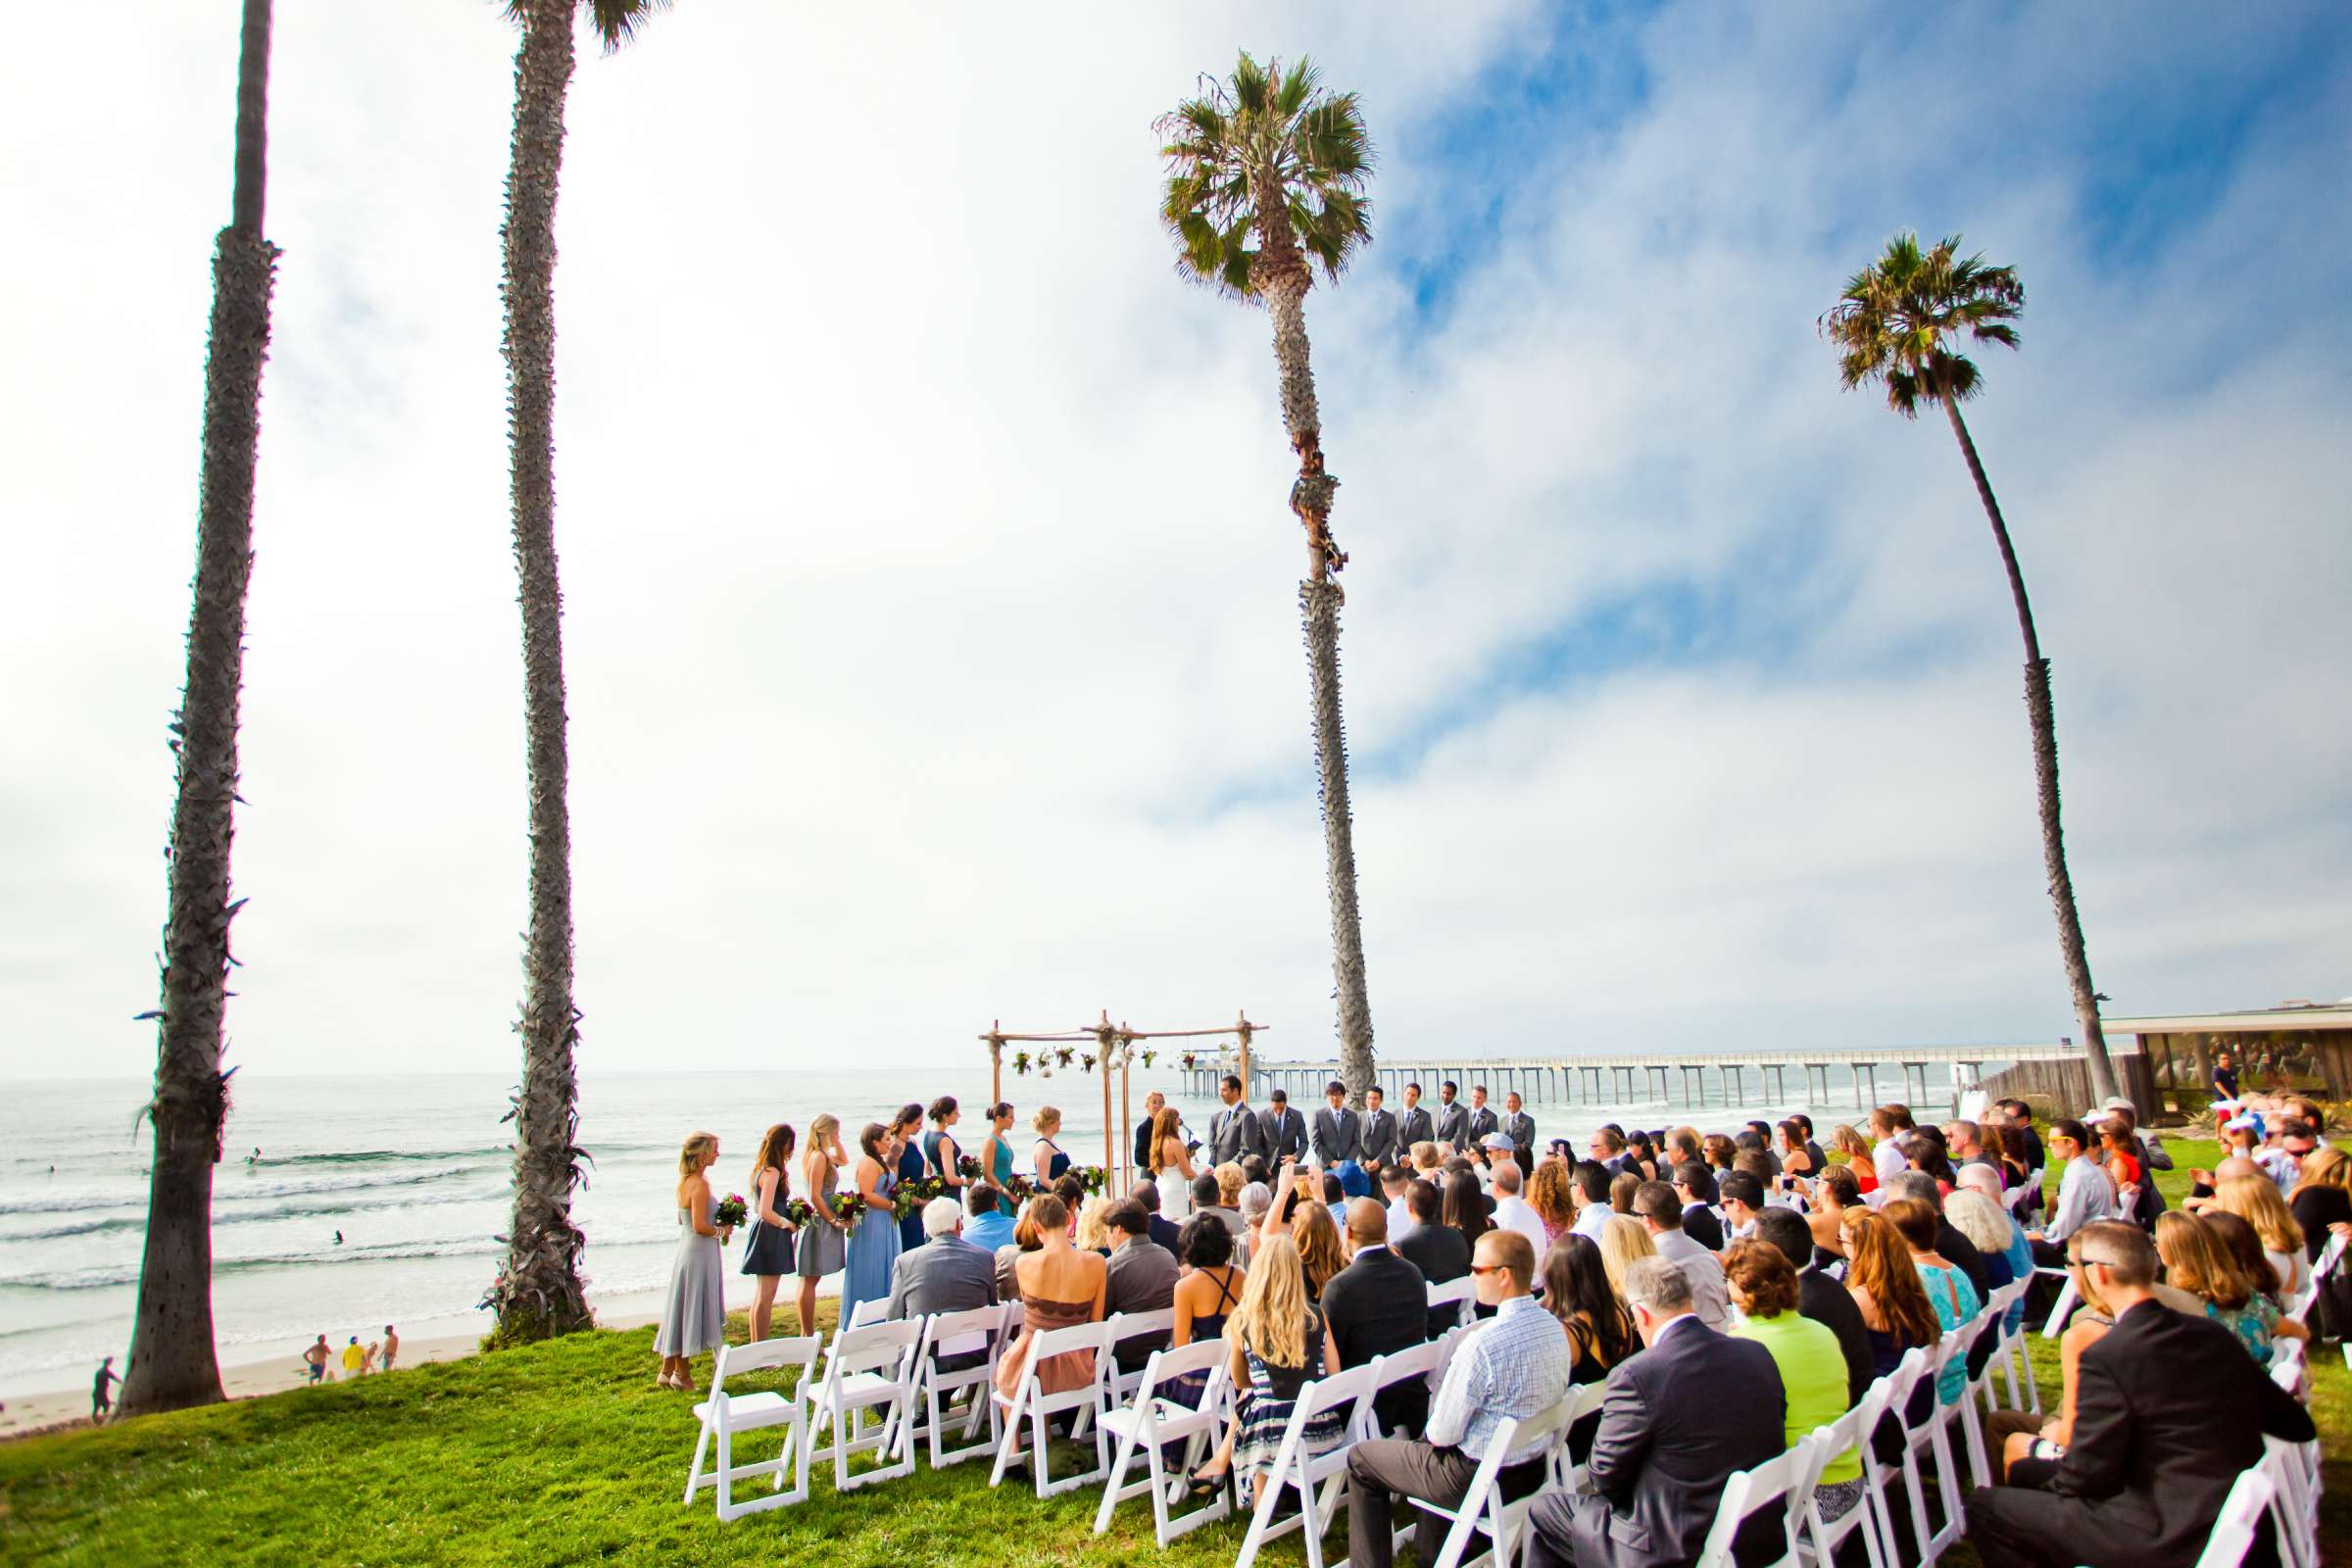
{"x": 1821, "y": 1297}
{"x": 1140, "y": 1278}
{"x": 1285, "y": 1129}
{"x": 1682, "y": 1417}
{"x": 1694, "y": 1185}
{"x": 1483, "y": 1120}
{"x": 946, "y": 1274}
{"x": 1452, "y": 1127}
{"x": 1376, "y": 1304}
{"x": 1338, "y": 1135}
{"x": 1380, "y": 1146}
{"x": 1520, "y": 1128}
{"x": 1660, "y": 1212}
{"x": 1442, "y": 1252}
{"x": 1163, "y": 1232}
{"x": 1236, "y": 1130}
{"x": 1153, "y": 1103}
{"x": 1515, "y": 1364}
{"x": 1412, "y": 1123}
{"x": 2169, "y": 1409}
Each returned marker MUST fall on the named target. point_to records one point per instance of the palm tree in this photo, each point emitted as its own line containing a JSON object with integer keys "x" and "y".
{"x": 1265, "y": 181}
{"x": 538, "y": 1291}
{"x": 1900, "y": 322}
{"x": 172, "y": 1360}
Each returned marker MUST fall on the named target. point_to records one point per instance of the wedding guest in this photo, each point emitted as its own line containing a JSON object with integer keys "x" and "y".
{"x": 946, "y": 1274}
{"x": 1624, "y": 1243}
{"x": 1950, "y": 1292}
{"x": 2084, "y": 1193}
{"x": 694, "y": 1314}
{"x": 1843, "y": 1140}
{"x": 996, "y": 1155}
{"x": 1590, "y": 1188}
{"x": 2198, "y": 1261}
{"x": 1395, "y": 1187}
{"x": 1257, "y": 1199}
{"x": 1516, "y": 1364}
{"x": 1550, "y": 1191}
{"x": 1514, "y": 1213}
{"x": 1890, "y": 1128}
{"x": 1320, "y": 1256}
{"x": 1045, "y": 1158}
{"x": 1437, "y": 1249}
{"x": 1061, "y": 1288}
{"x": 1140, "y": 1278}
{"x": 1622, "y": 1188}
{"x": 2238, "y": 1239}
{"x": 1209, "y": 1289}
{"x": 1683, "y": 1417}
{"x": 873, "y": 1242}
{"x": 1822, "y": 1299}
{"x": 1812, "y": 1366}
{"x": 1795, "y": 1149}
{"x": 1989, "y": 1230}
{"x": 767, "y": 1253}
{"x": 985, "y": 1225}
{"x": 1466, "y": 1209}
{"x": 1835, "y": 1189}
{"x": 1661, "y": 1214}
{"x": 1278, "y": 1346}
{"x": 941, "y": 1152}
{"x": 1376, "y": 1305}
{"x": 1741, "y": 1196}
{"x": 2258, "y": 1201}
{"x": 1694, "y": 1185}
{"x": 1164, "y": 1231}
{"x": 1092, "y": 1233}
{"x": 906, "y": 1135}
{"x": 1601, "y": 1331}
{"x": 1895, "y": 1310}
{"x": 1205, "y": 1196}
{"x": 1028, "y": 1235}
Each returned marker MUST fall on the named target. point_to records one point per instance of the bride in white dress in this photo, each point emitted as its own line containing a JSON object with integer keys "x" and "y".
{"x": 1171, "y": 1168}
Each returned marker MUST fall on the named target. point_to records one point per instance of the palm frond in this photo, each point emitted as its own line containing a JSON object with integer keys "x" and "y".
{"x": 1900, "y": 318}
{"x": 616, "y": 21}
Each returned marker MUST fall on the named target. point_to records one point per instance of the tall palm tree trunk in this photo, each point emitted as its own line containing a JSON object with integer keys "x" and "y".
{"x": 2043, "y": 717}
{"x": 172, "y": 1359}
{"x": 538, "y": 1291}
{"x": 1284, "y": 279}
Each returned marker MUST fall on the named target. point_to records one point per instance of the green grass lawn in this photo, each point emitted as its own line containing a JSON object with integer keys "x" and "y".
{"x": 565, "y": 1452}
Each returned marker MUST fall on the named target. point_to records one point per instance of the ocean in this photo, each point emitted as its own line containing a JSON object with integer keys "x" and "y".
{"x": 410, "y": 1173}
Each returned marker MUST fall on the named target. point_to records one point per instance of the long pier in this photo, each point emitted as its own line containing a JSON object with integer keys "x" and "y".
{"x": 1650, "y": 1077}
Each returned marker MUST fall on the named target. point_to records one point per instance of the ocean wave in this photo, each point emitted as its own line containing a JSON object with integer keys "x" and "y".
{"x": 84, "y": 1228}
{"x": 102, "y": 1276}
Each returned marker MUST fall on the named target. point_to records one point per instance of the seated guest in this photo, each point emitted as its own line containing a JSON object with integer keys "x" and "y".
{"x": 1230, "y": 1182}
{"x": 1061, "y": 1288}
{"x": 1335, "y": 1196}
{"x": 1954, "y": 1247}
{"x": 1590, "y": 1189}
{"x": 1208, "y": 1290}
{"x": 1694, "y": 1185}
{"x": 1601, "y": 1331}
{"x": 1741, "y": 1196}
{"x": 1549, "y": 1193}
{"x": 2085, "y": 1194}
{"x": 1377, "y": 1304}
{"x": 2236, "y": 1238}
{"x": 1141, "y": 1278}
{"x": 1437, "y": 1250}
{"x": 1682, "y": 1417}
{"x": 2170, "y": 1410}
{"x": 1092, "y": 1233}
{"x": 946, "y": 1274}
{"x": 1622, "y": 1188}
{"x": 1257, "y": 1199}
{"x": 1661, "y": 1214}
{"x": 2017, "y": 1437}
{"x": 1623, "y": 1244}
{"x": 2196, "y": 1261}
{"x": 1515, "y": 1364}
{"x": 1812, "y": 1366}
{"x": 1257, "y": 1168}
{"x": 1822, "y": 1299}
{"x": 1835, "y": 1189}
{"x": 1395, "y": 1191}
{"x": 1949, "y": 1291}
{"x": 1278, "y": 1346}
{"x": 985, "y": 1225}
{"x": 1320, "y": 1254}
{"x": 1164, "y": 1231}
{"x": 2019, "y": 1253}
{"x": 1206, "y": 1193}
{"x": 1986, "y": 1226}
{"x": 1512, "y": 1213}
{"x": 1897, "y": 1314}
{"x": 1028, "y": 1237}
{"x": 2260, "y": 1203}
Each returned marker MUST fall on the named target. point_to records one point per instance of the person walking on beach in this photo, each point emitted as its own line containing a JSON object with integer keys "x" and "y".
{"x": 694, "y": 1317}
{"x": 316, "y": 1359}
{"x": 391, "y": 1348}
{"x": 101, "y": 1402}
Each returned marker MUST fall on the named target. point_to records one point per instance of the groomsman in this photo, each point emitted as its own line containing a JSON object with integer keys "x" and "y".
{"x": 1338, "y": 1131}
{"x": 1153, "y": 1103}
{"x": 1453, "y": 1118}
{"x": 1380, "y": 1130}
{"x": 1285, "y": 1129}
{"x": 1521, "y": 1127}
{"x": 1234, "y": 1133}
{"x": 1413, "y": 1127}
{"x": 1483, "y": 1120}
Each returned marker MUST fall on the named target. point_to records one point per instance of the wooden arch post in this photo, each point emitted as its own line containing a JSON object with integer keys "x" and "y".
{"x": 996, "y": 1061}
{"x": 1104, "y": 1037}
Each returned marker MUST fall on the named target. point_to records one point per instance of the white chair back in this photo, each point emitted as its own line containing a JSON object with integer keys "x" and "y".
{"x": 1151, "y": 1421}
{"x": 1030, "y": 1402}
{"x": 1413, "y": 1363}
{"x": 869, "y": 1371}
{"x": 976, "y": 1331}
{"x": 1483, "y": 1509}
{"x": 1319, "y": 1478}
{"x": 725, "y": 1413}
{"x": 1454, "y": 1293}
{"x": 2293, "y": 1468}
{"x": 2240, "y": 1517}
{"x": 1125, "y": 1326}
{"x": 1818, "y": 1547}
{"x": 1879, "y": 1482}
{"x": 874, "y": 1309}
{"x": 1767, "y": 1485}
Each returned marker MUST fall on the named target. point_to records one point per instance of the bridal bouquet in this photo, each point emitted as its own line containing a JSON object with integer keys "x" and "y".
{"x": 729, "y": 1211}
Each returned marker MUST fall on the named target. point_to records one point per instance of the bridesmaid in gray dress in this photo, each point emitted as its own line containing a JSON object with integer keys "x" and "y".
{"x": 694, "y": 1318}
{"x": 822, "y": 1243}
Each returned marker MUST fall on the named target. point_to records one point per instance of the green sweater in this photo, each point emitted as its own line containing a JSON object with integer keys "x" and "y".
{"x": 1812, "y": 1377}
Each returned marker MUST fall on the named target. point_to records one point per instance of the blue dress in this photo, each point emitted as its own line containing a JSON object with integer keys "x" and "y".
{"x": 873, "y": 1253}
{"x": 1001, "y": 1173}
{"x": 911, "y": 1168}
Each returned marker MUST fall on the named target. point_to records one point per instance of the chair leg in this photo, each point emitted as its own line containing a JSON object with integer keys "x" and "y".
{"x": 694, "y": 1477}
{"x": 1012, "y": 1431}
{"x": 727, "y": 1474}
{"x": 1117, "y": 1477}
{"x": 1039, "y": 1464}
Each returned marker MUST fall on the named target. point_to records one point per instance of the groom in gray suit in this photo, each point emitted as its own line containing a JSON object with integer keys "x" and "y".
{"x": 1235, "y": 1132}
{"x": 1339, "y": 1132}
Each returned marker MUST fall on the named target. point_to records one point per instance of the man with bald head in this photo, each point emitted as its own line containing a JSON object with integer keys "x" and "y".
{"x": 1379, "y": 1304}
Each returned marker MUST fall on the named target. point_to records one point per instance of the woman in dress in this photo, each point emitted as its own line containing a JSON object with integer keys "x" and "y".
{"x": 767, "y": 1253}
{"x": 2119, "y": 1154}
{"x": 1277, "y": 1348}
{"x": 873, "y": 1249}
{"x": 941, "y": 1153}
{"x": 821, "y": 1246}
{"x": 1061, "y": 1288}
{"x": 1952, "y": 1293}
{"x": 1843, "y": 1140}
{"x": 2239, "y": 1241}
{"x": 694, "y": 1315}
{"x": 2256, "y": 1199}
{"x": 996, "y": 1155}
{"x": 1896, "y": 1315}
{"x": 1209, "y": 1289}
{"x": 907, "y": 1132}
{"x": 1547, "y": 1194}
{"x": 1171, "y": 1166}
{"x": 1762, "y": 1284}
{"x": 2196, "y": 1260}
{"x": 1046, "y": 1156}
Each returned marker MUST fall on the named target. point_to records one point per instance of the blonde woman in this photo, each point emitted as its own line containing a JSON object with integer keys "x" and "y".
{"x": 2322, "y": 1203}
{"x": 1426, "y": 1158}
{"x": 1277, "y": 1346}
{"x": 1045, "y": 1155}
{"x": 823, "y": 1245}
{"x": 1622, "y": 1243}
{"x": 694, "y": 1315}
{"x": 1320, "y": 1256}
{"x": 2256, "y": 1201}
{"x": 1094, "y": 1227}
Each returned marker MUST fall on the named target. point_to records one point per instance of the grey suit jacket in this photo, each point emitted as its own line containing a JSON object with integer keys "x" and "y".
{"x": 1234, "y": 1133}
{"x": 1522, "y": 1129}
{"x": 946, "y": 1274}
{"x": 1413, "y": 1127}
{"x": 1286, "y": 1134}
{"x": 1379, "y": 1137}
{"x": 1338, "y": 1136}
{"x": 1453, "y": 1124}
{"x": 1482, "y": 1122}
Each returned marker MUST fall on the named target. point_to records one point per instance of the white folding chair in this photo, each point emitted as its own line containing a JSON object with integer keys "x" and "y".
{"x": 1126, "y": 1326}
{"x": 2295, "y": 1467}
{"x": 2233, "y": 1528}
{"x": 1583, "y": 1399}
{"x": 1894, "y": 1393}
{"x": 1030, "y": 1402}
{"x": 980, "y": 1331}
{"x": 1150, "y": 1421}
{"x": 724, "y": 1414}
{"x": 1769, "y": 1485}
{"x": 2010, "y": 1357}
{"x": 1818, "y": 1547}
{"x": 869, "y": 1372}
{"x": 874, "y": 1309}
{"x": 1414, "y": 1363}
{"x": 1483, "y": 1510}
{"x": 1964, "y": 1415}
{"x": 2298, "y": 1307}
{"x": 2064, "y": 1308}
{"x": 1930, "y": 1434}
{"x": 1321, "y": 1479}
{"x": 1458, "y": 1294}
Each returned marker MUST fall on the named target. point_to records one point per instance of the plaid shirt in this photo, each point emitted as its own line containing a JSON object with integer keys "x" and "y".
{"x": 1515, "y": 1364}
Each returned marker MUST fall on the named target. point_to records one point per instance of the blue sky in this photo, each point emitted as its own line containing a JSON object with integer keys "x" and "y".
{"x": 931, "y": 631}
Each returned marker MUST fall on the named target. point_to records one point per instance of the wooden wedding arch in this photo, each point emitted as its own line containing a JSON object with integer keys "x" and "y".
{"x": 1114, "y": 1048}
